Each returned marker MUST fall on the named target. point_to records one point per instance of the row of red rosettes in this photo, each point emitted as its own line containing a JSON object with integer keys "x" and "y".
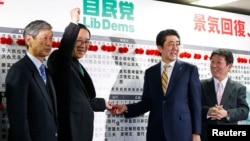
{"x": 195, "y": 56}
{"x": 107, "y": 48}
{"x": 206, "y": 57}
{"x": 21, "y": 42}
{"x": 4, "y": 40}
{"x": 55, "y": 44}
{"x": 112, "y": 48}
{"x": 93, "y": 48}
{"x": 242, "y": 60}
{"x": 122, "y": 49}
{"x": 9, "y": 41}
{"x": 139, "y": 51}
{"x": 153, "y": 52}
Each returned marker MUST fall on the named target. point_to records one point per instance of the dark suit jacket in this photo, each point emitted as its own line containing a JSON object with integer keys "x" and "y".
{"x": 233, "y": 100}
{"x": 177, "y": 115}
{"x": 31, "y": 109}
{"x": 1, "y": 100}
{"x": 76, "y": 93}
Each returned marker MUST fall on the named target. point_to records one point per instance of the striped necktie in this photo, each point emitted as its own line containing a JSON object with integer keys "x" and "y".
{"x": 164, "y": 78}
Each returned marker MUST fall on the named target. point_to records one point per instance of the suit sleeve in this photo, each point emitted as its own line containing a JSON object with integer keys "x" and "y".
{"x": 1, "y": 100}
{"x": 60, "y": 59}
{"x": 143, "y": 106}
{"x": 195, "y": 101}
{"x": 17, "y": 99}
{"x": 205, "y": 106}
{"x": 98, "y": 104}
{"x": 241, "y": 109}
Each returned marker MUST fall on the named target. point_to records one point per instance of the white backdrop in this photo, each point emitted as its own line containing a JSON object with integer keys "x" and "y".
{"x": 117, "y": 76}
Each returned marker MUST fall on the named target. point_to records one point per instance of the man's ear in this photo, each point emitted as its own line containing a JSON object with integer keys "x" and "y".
{"x": 230, "y": 66}
{"x": 28, "y": 39}
{"x": 160, "y": 48}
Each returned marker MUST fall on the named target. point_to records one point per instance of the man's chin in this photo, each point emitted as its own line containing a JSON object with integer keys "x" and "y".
{"x": 80, "y": 55}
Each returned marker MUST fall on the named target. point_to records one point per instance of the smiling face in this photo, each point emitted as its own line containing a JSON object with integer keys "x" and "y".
{"x": 82, "y": 43}
{"x": 170, "y": 49}
{"x": 219, "y": 67}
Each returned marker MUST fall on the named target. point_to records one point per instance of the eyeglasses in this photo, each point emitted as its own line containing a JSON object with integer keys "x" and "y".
{"x": 81, "y": 42}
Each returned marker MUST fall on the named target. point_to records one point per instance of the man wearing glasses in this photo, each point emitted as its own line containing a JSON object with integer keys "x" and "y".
{"x": 75, "y": 90}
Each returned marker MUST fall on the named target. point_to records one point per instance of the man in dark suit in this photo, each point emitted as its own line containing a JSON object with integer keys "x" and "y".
{"x": 75, "y": 91}
{"x": 1, "y": 104}
{"x": 232, "y": 106}
{"x": 31, "y": 101}
{"x": 175, "y": 115}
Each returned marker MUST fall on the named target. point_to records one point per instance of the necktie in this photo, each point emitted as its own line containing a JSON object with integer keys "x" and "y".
{"x": 164, "y": 79}
{"x": 43, "y": 73}
{"x": 81, "y": 70}
{"x": 219, "y": 93}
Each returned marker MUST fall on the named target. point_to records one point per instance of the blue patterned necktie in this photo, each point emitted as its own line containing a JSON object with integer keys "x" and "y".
{"x": 43, "y": 73}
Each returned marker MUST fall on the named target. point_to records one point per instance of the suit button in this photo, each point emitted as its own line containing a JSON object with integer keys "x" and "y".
{"x": 56, "y": 134}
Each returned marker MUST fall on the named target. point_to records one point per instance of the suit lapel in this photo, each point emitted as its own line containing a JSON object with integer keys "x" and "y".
{"x": 75, "y": 69}
{"x": 156, "y": 80}
{"x": 176, "y": 75}
{"x": 228, "y": 90}
{"x": 52, "y": 91}
{"x": 44, "y": 91}
{"x": 38, "y": 79}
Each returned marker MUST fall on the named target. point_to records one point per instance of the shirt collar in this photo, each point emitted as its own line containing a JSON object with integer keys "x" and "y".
{"x": 224, "y": 81}
{"x": 37, "y": 62}
{"x": 171, "y": 64}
